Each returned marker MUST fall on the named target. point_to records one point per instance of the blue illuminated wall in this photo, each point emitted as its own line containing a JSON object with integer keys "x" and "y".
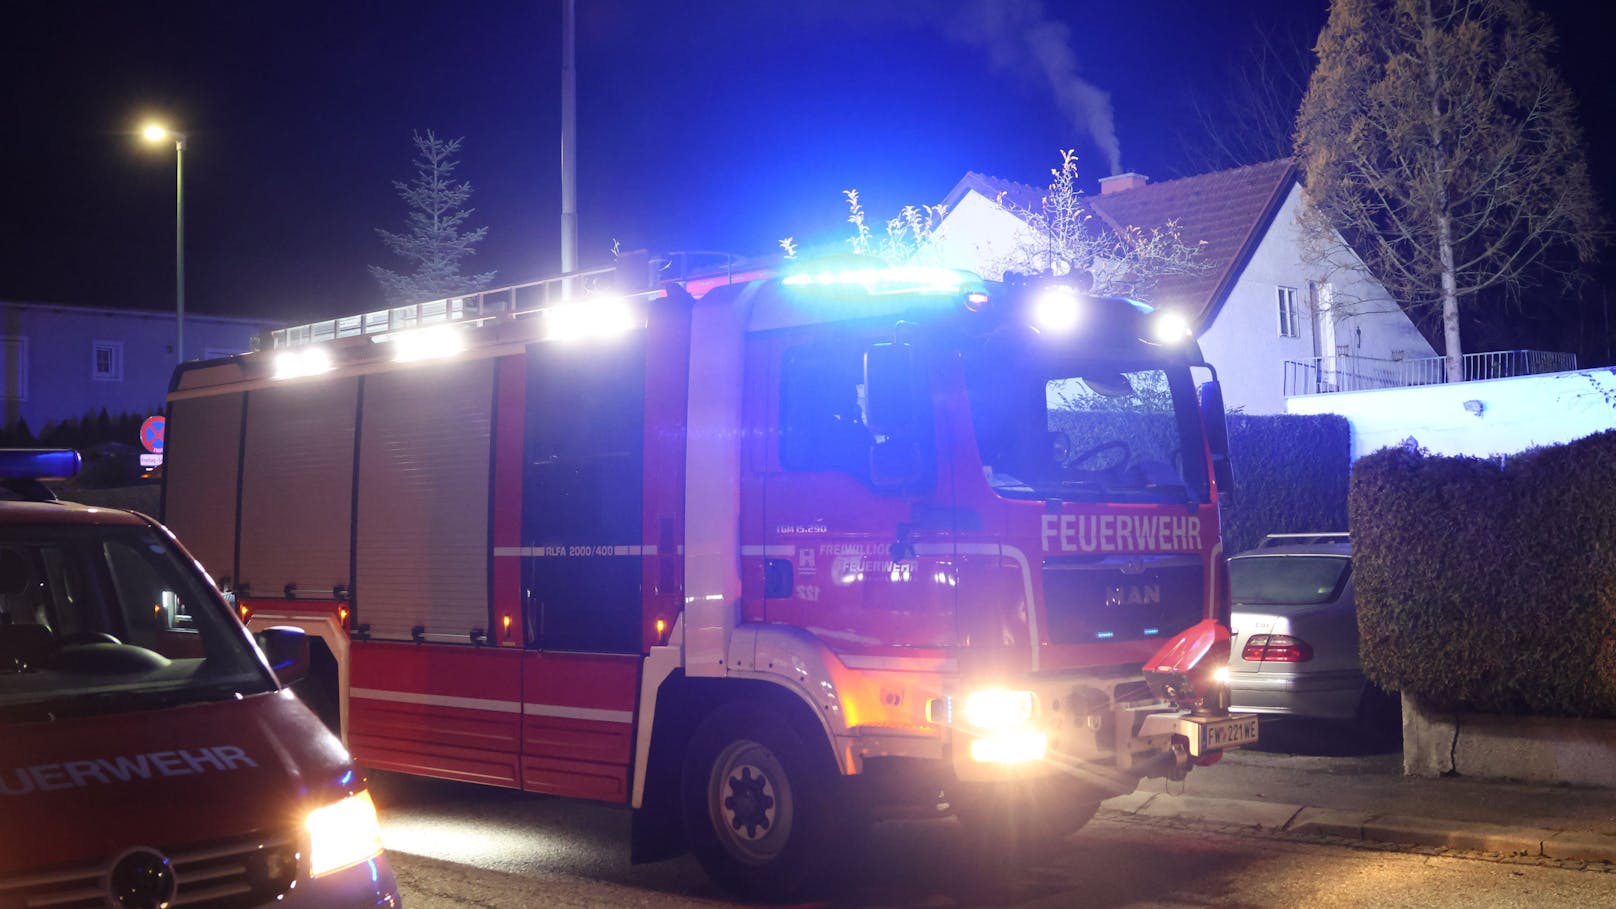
{"x": 60, "y": 362}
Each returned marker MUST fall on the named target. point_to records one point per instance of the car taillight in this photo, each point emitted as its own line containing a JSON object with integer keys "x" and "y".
{"x": 1276, "y": 648}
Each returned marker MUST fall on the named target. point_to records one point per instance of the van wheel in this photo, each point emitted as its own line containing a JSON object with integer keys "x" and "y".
{"x": 756, "y": 803}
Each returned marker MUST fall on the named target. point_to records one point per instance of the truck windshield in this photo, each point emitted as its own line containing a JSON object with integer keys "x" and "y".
{"x": 1098, "y": 430}
{"x": 109, "y": 618}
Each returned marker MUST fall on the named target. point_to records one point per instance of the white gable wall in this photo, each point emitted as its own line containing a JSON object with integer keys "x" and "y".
{"x": 979, "y": 235}
{"x": 1244, "y": 341}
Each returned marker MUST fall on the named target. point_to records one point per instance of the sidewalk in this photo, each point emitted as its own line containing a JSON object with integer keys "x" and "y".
{"x": 1365, "y": 796}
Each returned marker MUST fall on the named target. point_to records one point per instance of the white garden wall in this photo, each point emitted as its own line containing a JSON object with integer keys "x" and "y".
{"x": 1480, "y": 419}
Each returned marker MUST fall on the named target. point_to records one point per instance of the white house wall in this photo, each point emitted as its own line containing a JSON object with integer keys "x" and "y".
{"x": 1244, "y": 342}
{"x": 1478, "y": 419}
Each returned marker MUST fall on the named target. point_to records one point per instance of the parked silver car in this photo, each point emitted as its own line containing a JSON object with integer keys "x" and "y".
{"x": 1295, "y": 627}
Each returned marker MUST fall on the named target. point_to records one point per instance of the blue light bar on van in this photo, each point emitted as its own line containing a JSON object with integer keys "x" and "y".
{"x": 898, "y": 279}
{"x": 38, "y": 464}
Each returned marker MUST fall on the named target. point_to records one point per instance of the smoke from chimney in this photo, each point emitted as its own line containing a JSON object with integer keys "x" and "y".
{"x": 1014, "y": 31}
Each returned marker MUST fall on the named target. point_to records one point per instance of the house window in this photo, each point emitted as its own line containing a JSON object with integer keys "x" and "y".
{"x": 1289, "y": 325}
{"x": 13, "y": 369}
{"x": 106, "y": 361}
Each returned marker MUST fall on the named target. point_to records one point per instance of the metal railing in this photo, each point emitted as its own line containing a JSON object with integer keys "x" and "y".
{"x": 528, "y": 297}
{"x": 1325, "y": 375}
{"x": 468, "y": 307}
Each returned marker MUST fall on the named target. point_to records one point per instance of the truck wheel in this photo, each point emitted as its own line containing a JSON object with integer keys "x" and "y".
{"x": 756, "y": 802}
{"x": 1020, "y": 821}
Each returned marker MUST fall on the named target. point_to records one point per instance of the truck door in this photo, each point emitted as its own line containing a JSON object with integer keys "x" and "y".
{"x": 584, "y": 553}
{"x": 862, "y": 563}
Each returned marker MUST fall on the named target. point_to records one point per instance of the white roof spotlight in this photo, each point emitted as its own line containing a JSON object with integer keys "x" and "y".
{"x": 1055, "y": 309}
{"x": 1169, "y": 327}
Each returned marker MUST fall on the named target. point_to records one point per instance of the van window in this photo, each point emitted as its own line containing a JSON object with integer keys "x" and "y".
{"x": 101, "y": 619}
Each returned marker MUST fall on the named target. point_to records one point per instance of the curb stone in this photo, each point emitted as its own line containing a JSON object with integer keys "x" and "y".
{"x": 1424, "y": 834}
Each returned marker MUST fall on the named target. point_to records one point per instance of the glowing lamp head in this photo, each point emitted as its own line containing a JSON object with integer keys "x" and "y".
{"x": 589, "y": 320}
{"x": 1056, "y": 308}
{"x": 294, "y": 364}
{"x": 154, "y": 132}
{"x": 1168, "y": 327}
{"x": 435, "y": 342}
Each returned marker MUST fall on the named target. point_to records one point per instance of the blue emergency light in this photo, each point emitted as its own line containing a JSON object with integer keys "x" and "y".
{"x": 38, "y": 464}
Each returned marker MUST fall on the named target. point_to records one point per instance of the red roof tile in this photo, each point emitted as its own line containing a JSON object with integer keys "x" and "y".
{"x": 1228, "y": 211}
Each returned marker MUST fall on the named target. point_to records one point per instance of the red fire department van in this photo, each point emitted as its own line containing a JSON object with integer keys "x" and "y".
{"x": 148, "y": 755}
{"x": 806, "y": 551}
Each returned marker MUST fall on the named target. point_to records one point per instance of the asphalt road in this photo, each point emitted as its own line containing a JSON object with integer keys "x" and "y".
{"x": 456, "y": 845}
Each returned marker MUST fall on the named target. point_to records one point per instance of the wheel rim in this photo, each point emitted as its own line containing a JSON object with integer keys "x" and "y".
{"x": 749, "y": 801}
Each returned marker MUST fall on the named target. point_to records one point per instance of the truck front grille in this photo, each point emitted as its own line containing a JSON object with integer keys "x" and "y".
{"x": 1122, "y": 598}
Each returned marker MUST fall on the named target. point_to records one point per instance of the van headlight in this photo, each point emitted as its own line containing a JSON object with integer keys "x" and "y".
{"x": 343, "y": 834}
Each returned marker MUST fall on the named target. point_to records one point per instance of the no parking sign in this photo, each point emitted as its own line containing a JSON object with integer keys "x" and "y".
{"x": 151, "y": 438}
{"x": 151, "y": 433}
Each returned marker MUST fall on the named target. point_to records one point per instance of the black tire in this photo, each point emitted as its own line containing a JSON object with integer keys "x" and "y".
{"x": 757, "y": 801}
{"x": 1022, "y": 821}
{"x": 1380, "y": 716}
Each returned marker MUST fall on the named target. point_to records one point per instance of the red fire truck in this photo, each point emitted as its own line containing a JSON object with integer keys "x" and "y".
{"x": 806, "y": 551}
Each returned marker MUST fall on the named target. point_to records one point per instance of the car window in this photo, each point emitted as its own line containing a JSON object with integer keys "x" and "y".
{"x": 102, "y": 618}
{"x": 1287, "y": 579}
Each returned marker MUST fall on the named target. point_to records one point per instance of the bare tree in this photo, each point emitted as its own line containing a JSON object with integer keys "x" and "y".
{"x": 1065, "y": 236}
{"x": 434, "y": 240}
{"x": 1251, "y": 116}
{"x": 1062, "y": 235}
{"x": 1439, "y": 140}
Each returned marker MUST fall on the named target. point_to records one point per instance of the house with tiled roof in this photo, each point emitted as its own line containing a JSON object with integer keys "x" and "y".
{"x": 1257, "y": 299}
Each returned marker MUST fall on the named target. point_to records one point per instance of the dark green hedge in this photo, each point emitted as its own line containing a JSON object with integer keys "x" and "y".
{"x": 1290, "y": 475}
{"x": 1488, "y": 587}
{"x": 91, "y": 429}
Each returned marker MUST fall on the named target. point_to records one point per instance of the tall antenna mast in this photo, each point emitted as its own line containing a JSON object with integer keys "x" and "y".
{"x": 569, "y": 147}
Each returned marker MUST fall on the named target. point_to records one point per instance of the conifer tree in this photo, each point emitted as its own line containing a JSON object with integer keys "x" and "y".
{"x": 434, "y": 239}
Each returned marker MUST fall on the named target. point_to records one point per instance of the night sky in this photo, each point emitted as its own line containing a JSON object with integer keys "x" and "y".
{"x": 702, "y": 125}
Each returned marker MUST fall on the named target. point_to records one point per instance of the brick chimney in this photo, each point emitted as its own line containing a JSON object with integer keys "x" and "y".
{"x": 1121, "y": 182}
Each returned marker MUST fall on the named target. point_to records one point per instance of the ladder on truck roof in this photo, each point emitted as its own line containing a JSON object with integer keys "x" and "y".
{"x": 513, "y": 299}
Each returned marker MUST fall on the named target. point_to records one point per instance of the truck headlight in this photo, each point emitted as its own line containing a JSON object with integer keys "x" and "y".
{"x": 1011, "y": 746}
{"x": 1001, "y": 723}
{"x": 343, "y": 834}
{"x": 998, "y": 708}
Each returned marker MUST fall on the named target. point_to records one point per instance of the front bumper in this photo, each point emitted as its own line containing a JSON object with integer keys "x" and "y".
{"x": 363, "y": 886}
{"x": 1107, "y": 733}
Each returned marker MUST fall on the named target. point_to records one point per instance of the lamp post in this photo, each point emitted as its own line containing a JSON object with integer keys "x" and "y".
{"x": 158, "y": 133}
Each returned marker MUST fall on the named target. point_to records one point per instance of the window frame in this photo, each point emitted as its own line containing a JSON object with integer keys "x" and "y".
{"x": 1289, "y": 321}
{"x": 114, "y": 351}
{"x": 19, "y": 343}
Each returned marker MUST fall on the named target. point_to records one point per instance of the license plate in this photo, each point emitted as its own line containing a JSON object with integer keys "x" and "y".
{"x": 1222, "y": 732}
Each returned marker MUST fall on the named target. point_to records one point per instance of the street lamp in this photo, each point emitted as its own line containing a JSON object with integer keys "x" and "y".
{"x": 156, "y": 132}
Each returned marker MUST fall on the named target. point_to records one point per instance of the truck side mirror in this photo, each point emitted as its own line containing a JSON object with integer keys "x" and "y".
{"x": 892, "y": 399}
{"x": 1217, "y": 440}
{"x": 287, "y": 649}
